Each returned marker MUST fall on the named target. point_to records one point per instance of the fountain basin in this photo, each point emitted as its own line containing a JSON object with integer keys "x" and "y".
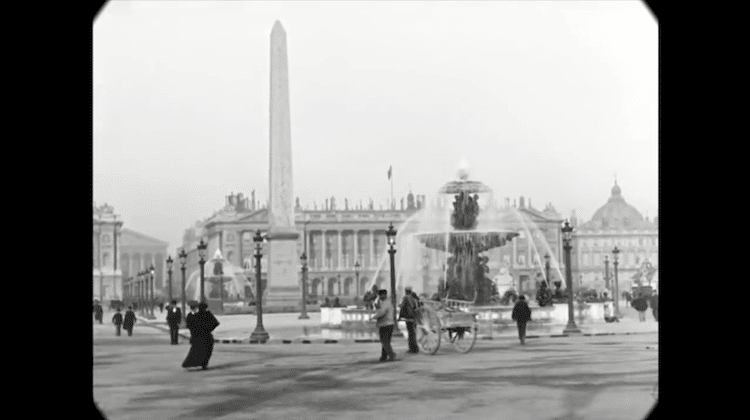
{"x": 491, "y": 319}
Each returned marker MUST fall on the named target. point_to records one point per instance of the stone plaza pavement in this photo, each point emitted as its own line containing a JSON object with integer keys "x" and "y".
{"x": 287, "y": 328}
{"x": 598, "y": 377}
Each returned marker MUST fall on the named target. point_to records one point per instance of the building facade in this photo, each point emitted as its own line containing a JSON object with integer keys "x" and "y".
{"x": 615, "y": 224}
{"x": 335, "y": 238}
{"x": 120, "y": 253}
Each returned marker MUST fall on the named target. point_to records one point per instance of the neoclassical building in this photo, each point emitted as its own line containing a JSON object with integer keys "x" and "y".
{"x": 619, "y": 224}
{"x": 120, "y": 253}
{"x": 335, "y": 238}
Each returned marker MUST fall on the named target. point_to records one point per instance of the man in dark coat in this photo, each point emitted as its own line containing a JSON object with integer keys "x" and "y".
{"x": 655, "y": 306}
{"x": 408, "y": 313}
{"x": 521, "y": 314}
{"x": 641, "y": 305}
{"x": 129, "y": 321}
{"x": 174, "y": 317}
{"x": 98, "y": 312}
{"x": 201, "y": 325}
{"x": 117, "y": 320}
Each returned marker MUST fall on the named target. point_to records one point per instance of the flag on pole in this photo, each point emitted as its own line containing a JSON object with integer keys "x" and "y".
{"x": 390, "y": 171}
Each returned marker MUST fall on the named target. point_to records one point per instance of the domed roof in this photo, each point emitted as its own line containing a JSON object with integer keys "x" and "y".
{"x": 617, "y": 214}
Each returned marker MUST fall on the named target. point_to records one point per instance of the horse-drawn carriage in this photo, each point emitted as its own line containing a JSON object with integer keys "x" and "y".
{"x": 448, "y": 318}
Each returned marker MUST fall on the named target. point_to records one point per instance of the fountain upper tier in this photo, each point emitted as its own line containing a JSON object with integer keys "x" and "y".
{"x": 479, "y": 240}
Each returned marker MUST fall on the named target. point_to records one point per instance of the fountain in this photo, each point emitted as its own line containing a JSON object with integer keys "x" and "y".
{"x": 445, "y": 249}
{"x": 224, "y": 282}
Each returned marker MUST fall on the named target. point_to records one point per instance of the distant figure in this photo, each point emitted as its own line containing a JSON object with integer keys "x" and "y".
{"x": 201, "y": 325}
{"x": 174, "y": 317}
{"x": 129, "y": 321}
{"x": 336, "y": 303}
{"x": 521, "y": 314}
{"x": 384, "y": 316}
{"x": 408, "y": 313}
{"x": 655, "y": 306}
{"x": 161, "y": 307}
{"x": 641, "y": 305}
{"x": 98, "y": 312}
{"x": 327, "y": 303}
{"x": 117, "y": 320}
{"x": 609, "y": 313}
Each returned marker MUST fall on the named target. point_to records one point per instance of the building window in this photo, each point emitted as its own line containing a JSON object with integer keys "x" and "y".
{"x": 586, "y": 259}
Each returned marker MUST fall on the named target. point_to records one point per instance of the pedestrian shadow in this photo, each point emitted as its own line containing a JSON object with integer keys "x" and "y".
{"x": 230, "y": 365}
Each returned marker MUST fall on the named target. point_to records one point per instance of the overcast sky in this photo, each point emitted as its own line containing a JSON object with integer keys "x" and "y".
{"x": 548, "y": 100}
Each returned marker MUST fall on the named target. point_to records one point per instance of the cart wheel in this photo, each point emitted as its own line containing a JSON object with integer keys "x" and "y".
{"x": 428, "y": 333}
{"x": 463, "y": 339}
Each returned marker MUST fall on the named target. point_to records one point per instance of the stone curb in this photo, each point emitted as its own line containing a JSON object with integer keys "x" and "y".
{"x": 235, "y": 340}
{"x": 300, "y": 340}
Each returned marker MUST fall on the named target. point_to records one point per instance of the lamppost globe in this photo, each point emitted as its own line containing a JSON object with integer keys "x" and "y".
{"x": 183, "y": 258}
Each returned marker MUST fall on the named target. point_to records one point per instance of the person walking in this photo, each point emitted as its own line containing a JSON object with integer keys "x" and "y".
{"x": 174, "y": 317}
{"x": 117, "y": 320}
{"x": 408, "y": 313}
{"x": 384, "y": 317}
{"x": 655, "y": 306}
{"x": 129, "y": 321}
{"x": 161, "y": 307}
{"x": 521, "y": 314}
{"x": 641, "y": 305}
{"x": 98, "y": 312}
{"x": 201, "y": 325}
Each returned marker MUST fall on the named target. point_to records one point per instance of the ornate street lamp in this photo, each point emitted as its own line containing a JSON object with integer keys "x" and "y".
{"x": 615, "y": 263}
{"x": 202, "y": 261}
{"x": 259, "y": 335}
{"x": 546, "y": 271}
{"x": 170, "y": 261}
{"x": 356, "y": 276}
{"x": 303, "y": 261}
{"x": 606, "y": 272}
{"x": 391, "y": 235}
{"x": 183, "y": 262}
{"x": 567, "y": 231}
{"x": 140, "y": 291}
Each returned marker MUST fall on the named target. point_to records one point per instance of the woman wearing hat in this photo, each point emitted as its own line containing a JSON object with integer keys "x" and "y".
{"x": 201, "y": 325}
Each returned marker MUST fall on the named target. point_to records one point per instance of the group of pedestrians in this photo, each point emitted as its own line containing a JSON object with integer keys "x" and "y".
{"x": 127, "y": 322}
{"x": 200, "y": 321}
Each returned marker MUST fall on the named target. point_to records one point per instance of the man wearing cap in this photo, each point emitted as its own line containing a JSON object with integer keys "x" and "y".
{"x": 385, "y": 316}
{"x": 174, "y": 317}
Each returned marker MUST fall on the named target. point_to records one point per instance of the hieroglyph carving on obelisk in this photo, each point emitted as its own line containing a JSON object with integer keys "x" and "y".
{"x": 283, "y": 276}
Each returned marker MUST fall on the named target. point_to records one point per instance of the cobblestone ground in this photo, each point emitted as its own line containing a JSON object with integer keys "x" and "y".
{"x": 607, "y": 377}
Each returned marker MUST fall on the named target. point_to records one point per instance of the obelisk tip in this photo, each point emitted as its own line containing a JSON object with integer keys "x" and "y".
{"x": 277, "y": 27}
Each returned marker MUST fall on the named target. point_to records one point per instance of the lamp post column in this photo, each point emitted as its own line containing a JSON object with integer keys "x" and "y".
{"x": 183, "y": 261}
{"x": 571, "y": 328}
{"x": 260, "y": 335}
{"x": 202, "y": 261}
{"x": 391, "y": 234}
{"x": 615, "y": 263}
{"x": 606, "y": 272}
{"x": 304, "y": 315}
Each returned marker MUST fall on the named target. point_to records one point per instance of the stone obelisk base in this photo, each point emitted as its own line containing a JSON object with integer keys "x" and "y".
{"x": 284, "y": 291}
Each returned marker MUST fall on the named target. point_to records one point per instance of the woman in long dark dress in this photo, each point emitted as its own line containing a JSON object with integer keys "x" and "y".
{"x": 201, "y": 325}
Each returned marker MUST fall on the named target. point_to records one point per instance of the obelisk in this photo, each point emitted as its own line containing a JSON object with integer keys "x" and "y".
{"x": 283, "y": 290}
